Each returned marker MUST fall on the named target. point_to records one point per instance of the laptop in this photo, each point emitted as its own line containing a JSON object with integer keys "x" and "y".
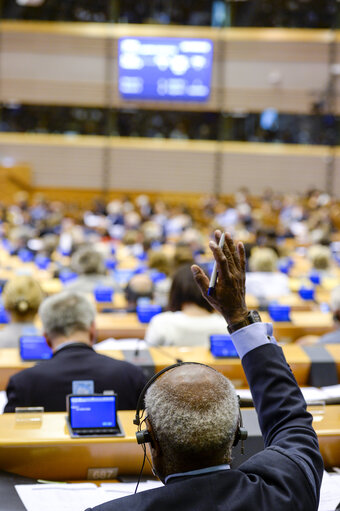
{"x": 93, "y": 415}
{"x": 222, "y": 346}
{"x": 34, "y": 347}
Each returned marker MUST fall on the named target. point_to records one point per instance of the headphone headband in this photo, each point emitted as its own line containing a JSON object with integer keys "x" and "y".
{"x": 144, "y": 436}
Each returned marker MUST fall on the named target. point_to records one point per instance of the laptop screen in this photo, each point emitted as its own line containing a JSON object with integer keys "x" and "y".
{"x": 93, "y": 412}
{"x": 34, "y": 347}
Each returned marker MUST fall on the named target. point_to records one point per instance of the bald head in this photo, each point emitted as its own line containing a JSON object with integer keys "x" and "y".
{"x": 184, "y": 383}
{"x": 193, "y": 411}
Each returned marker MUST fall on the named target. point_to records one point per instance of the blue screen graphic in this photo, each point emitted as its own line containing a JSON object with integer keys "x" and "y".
{"x": 164, "y": 68}
{"x": 93, "y": 412}
{"x": 34, "y": 347}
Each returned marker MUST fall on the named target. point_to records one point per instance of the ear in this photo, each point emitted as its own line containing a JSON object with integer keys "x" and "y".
{"x": 155, "y": 448}
{"x": 48, "y": 340}
{"x": 92, "y": 332}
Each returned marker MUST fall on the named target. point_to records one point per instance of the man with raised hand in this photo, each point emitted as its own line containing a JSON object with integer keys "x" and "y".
{"x": 192, "y": 418}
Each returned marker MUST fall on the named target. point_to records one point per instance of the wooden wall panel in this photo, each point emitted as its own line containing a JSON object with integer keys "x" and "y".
{"x": 153, "y": 165}
{"x": 289, "y": 76}
{"x": 287, "y": 169}
{"x": 335, "y": 178}
{"x": 171, "y": 166}
{"x": 49, "y": 68}
{"x": 57, "y": 161}
{"x": 70, "y": 63}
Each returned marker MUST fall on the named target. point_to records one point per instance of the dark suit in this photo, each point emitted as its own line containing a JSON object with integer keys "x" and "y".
{"x": 47, "y": 383}
{"x": 285, "y": 476}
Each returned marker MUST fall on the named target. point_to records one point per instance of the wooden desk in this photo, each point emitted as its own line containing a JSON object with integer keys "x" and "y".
{"x": 302, "y": 323}
{"x": 297, "y": 358}
{"x": 46, "y": 451}
{"x": 127, "y": 325}
{"x": 328, "y": 431}
{"x": 119, "y": 326}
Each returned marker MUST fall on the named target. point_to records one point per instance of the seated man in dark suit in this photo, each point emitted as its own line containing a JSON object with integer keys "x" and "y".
{"x": 68, "y": 322}
{"x": 192, "y": 418}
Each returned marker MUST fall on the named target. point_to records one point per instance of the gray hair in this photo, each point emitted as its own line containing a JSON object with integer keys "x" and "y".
{"x": 65, "y": 313}
{"x": 87, "y": 261}
{"x": 194, "y": 426}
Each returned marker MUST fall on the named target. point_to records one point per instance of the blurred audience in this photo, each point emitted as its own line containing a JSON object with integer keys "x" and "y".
{"x": 264, "y": 281}
{"x": 89, "y": 264}
{"x": 139, "y": 287}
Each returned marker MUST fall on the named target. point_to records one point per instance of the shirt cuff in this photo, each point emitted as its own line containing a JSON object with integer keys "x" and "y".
{"x": 252, "y": 336}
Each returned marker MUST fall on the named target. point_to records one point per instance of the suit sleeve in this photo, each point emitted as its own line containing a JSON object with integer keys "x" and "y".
{"x": 285, "y": 424}
{"x": 14, "y": 396}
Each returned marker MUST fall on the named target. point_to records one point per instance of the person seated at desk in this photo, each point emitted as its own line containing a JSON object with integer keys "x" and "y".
{"x": 139, "y": 286}
{"x": 192, "y": 419}
{"x": 68, "y": 322}
{"x": 90, "y": 266}
{"x": 264, "y": 281}
{"x": 22, "y": 296}
{"x": 190, "y": 320}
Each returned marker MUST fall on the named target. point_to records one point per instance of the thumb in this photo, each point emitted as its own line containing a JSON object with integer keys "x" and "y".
{"x": 201, "y": 279}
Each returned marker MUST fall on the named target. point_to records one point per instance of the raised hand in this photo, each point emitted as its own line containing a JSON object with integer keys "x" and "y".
{"x": 228, "y": 297}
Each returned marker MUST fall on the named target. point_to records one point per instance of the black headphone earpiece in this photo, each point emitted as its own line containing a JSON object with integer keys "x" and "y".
{"x": 241, "y": 434}
{"x": 143, "y": 437}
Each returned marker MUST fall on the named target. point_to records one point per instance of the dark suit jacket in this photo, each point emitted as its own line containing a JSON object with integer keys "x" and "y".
{"x": 47, "y": 383}
{"x": 285, "y": 476}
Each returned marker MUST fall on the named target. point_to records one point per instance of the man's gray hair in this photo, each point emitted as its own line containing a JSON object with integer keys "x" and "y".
{"x": 65, "y": 313}
{"x": 194, "y": 426}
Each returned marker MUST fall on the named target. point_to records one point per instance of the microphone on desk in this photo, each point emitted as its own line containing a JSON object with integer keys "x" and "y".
{"x": 161, "y": 350}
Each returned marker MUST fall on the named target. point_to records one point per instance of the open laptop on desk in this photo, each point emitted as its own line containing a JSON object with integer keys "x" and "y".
{"x": 93, "y": 415}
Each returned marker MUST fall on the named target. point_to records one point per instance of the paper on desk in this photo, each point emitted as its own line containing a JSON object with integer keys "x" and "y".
{"x": 75, "y": 497}
{"x": 331, "y": 391}
{"x": 330, "y": 492}
{"x": 54, "y": 497}
{"x": 309, "y": 393}
{"x": 312, "y": 394}
{"x": 121, "y": 344}
{"x": 3, "y": 400}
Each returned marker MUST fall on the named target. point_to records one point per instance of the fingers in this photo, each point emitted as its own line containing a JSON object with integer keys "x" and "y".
{"x": 234, "y": 254}
{"x": 242, "y": 256}
{"x": 201, "y": 279}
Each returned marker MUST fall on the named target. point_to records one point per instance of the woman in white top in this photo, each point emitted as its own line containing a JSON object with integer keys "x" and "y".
{"x": 189, "y": 321}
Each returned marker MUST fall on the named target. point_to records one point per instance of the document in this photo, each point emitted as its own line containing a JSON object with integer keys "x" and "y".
{"x": 77, "y": 496}
{"x": 54, "y": 497}
{"x": 330, "y": 492}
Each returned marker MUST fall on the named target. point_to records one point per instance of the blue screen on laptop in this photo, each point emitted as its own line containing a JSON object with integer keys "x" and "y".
{"x": 34, "y": 347}
{"x": 93, "y": 411}
{"x": 165, "y": 68}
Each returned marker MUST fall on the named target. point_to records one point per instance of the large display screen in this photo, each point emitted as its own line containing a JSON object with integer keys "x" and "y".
{"x": 164, "y": 68}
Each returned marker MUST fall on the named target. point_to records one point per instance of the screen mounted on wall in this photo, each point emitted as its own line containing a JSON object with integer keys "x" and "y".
{"x": 165, "y": 69}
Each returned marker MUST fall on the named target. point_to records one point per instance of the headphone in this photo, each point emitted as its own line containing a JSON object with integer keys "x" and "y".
{"x": 143, "y": 435}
